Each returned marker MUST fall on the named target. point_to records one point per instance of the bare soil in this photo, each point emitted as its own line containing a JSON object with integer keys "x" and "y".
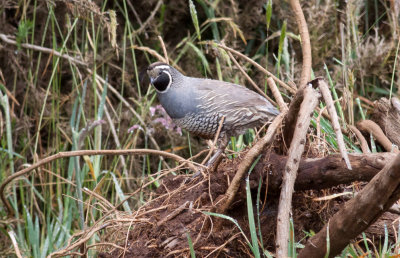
{"x": 160, "y": 237}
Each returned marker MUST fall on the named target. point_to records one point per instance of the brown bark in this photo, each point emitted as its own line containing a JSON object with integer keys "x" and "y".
{"x": 358, "y": 213}
{"x": 369, "y": 126}
{"x": 291, "y": 117}
{"x": 361, "y": 139}
{"x": 387, "y": 115}
{"x": 321, "y": 173}
{"x": 305, "y": 42}
{"x": 296, "y": 149}
{"x": 277, "y": 95}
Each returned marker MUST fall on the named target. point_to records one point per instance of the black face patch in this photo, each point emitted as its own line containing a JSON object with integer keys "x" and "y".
{"x": 162, "y": 81}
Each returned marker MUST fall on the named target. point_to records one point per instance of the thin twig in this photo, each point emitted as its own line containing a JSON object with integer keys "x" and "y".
{"x": 164, "y": 49}
{"x": 326, "y": 94}
{"x": 44, "y": 50}
{"x": 296, "y": 149}
{"x": 259, "y": 67}
{"x": 87, "y": 235}
{"x": 255, "y": 86}
{"x": 137, "y": 18}
{"x": 277, "y": 95}
{"x": 151, "y": 16}
{"x": 151, "y": 52}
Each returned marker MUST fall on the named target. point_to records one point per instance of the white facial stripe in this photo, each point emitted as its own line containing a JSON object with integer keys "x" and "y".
{"x": 162, "y": 66}
{"x": 170, "y": 79}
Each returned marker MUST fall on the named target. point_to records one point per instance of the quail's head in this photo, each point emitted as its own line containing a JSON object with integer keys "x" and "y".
{"x": 161, "y": 76}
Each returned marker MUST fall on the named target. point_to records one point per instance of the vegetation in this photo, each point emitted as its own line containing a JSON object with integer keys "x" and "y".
{"x": 72, "y": 78}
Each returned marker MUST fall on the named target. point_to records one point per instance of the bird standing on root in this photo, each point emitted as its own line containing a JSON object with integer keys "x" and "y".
{"x": 198, "y": 105}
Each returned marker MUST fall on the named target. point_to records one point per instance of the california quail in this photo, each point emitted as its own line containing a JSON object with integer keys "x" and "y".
{"x": 198, "y": 105}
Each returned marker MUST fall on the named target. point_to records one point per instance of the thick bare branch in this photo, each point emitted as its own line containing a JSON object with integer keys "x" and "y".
{"x": 326, "y": 172}
{"x": 296, "y": 149}
{"x": 370, "y": 126}
{"x": 305, "y": 42}
{"x": 358, "y": 213}
{"x": 291, "y": 117}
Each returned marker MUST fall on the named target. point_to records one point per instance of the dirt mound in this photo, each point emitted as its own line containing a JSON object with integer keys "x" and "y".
{"x": 161, "y": 227}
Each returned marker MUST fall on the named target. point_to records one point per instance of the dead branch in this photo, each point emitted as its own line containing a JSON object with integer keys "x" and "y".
{"x": 163, "y": 48}
{"x": 86, "y": 235}
{"x": 291, "y": 117}
{"x": 305, "y": 43}
{"x": 361, "y": 138}
{"x": 370, "y": 126}
{"x": 326, "y": 94}
{"x": 295, "y": 151}
{"x": 255, "y": 86}
{"x": 290, "y": 120}
{"x": 357, "y": 214}
{"x": 50, "y": 51}
{"x": 259, "y": 67}
{"x": 277, "y": 95}
{"x": 322, "y": 173}
{"x": 173, "y": 214}
{"x": 251, "y": 155}
{"x": 151, "y": 17}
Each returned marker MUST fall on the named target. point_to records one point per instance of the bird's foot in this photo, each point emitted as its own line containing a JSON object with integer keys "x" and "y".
{"x": 199, "y": 172}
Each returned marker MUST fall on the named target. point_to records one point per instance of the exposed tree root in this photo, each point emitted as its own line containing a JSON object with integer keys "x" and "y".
{"x": 358, "y": 213}
{"x": 369, "y": 126}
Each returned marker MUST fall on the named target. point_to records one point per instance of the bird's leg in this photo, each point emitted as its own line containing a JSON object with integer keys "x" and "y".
{"x": 213, "y": 162}
{"x": 216, "y": 158}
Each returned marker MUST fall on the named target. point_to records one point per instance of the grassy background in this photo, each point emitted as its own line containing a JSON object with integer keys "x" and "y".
{"x": 51, "y": 104}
